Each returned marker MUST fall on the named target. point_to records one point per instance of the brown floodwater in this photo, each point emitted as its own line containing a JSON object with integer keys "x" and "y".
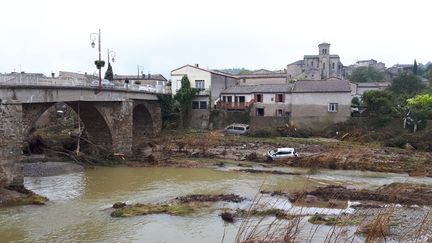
{"x": 79, "y": 206}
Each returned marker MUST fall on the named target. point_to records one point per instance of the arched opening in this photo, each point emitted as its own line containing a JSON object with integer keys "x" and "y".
{"x": 142, "y": 128}
{"x": 61, "y": 129}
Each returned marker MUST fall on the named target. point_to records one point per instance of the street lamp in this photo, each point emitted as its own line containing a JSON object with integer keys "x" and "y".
{"x": 111, "y": 54}
{"x": 138, "y": 70}
{"x": 99, "y": 63}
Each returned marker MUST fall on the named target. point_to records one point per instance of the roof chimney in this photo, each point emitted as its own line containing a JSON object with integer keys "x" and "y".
{"x": 196, "y": 65}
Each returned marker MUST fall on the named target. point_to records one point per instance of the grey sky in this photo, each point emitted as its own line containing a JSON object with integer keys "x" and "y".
{"x": 52, "y": 35}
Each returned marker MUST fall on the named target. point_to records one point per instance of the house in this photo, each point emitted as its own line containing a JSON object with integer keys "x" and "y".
{"x": 263, "y": 76}
{"x": 317, "y": 67}
{"x": 155, "y": 82}
{"x": 209, "y": 82}
{"x": 360, "y": 88}
{"x": 302, "y": 103}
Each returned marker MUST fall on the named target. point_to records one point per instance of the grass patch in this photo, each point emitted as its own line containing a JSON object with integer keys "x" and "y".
{"x": 321, "y": 219}
{"x": 145, "y": 209}
{"x": 278, "y": 213}
{"x": 33, "y": 199}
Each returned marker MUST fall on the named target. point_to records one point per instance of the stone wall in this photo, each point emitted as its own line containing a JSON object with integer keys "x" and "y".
{"x": 268, "y": 123}
{"x": 11, "y": 144}
{"x": 222, "y": 118}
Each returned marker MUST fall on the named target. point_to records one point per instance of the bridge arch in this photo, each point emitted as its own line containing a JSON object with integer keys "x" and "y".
{"x": 142, "y": 126}
{"x": 96, "y": 128}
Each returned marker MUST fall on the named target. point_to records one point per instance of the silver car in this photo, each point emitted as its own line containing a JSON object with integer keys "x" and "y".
{"x": 280, "y": 153}
{"x": 239, "y": 129}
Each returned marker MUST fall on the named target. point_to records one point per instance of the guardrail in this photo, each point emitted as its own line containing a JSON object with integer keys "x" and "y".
{"x": 44, "y": 81}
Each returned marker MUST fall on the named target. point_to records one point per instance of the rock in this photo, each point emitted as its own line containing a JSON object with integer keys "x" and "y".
{"x": 310, "y": 199}
{"x": 227, "y": 217}
{"x": 408, "y": 146}
{"x": 119, "y": 205}
{"x": 243, "y": 158}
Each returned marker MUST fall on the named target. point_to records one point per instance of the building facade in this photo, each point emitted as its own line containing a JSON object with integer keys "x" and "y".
{"x": 303, "y": 103}
{"x": 209, "y": 82}
{"x": 317, "y": 67}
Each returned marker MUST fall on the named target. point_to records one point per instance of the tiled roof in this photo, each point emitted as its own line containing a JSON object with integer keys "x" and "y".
{"x": 261, "y": 88}
{"x": 322, "y": 86}
{"x": 373, "y": 84}
{"x": 206, "y": 70}
{"x": 159, "y": 77}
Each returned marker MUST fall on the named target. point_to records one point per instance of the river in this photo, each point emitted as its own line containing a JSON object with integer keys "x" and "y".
{"x": 79, "y": 206}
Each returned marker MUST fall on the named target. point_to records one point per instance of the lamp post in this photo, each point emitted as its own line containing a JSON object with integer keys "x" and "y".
{"x": 99, "y": 63}
{"x": 111, "y": 54}
{"x": 138, "y": 70}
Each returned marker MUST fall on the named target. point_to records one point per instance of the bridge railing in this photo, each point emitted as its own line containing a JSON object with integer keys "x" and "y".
{"x": 36, "y": 80}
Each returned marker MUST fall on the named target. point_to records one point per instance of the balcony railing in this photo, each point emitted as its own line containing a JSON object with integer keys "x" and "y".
{"x": 234, "y": 105}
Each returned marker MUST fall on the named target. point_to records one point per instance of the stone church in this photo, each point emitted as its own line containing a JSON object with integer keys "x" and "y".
{"x": 317, "y": 67}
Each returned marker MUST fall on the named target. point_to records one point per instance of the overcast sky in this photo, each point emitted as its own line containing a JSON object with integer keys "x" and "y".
{"x": 54, "y": 35}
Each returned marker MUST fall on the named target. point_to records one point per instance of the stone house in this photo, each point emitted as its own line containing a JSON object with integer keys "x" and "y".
{"x": 263, "y": 76}
{"x": 317, "y": 67}
{"x": 303, "y": 103}
{"x": 209, "y": 82}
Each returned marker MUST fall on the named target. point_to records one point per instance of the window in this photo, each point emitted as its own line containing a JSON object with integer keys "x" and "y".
{"x": 323, "y": 65}
{"x": 224, "y": 98}
{"x": 241, "y": 99}
{"x": 259, "y": 111}
{"x": 203, "y": 105}
{"x": 199, "y": 84}
{"x": 279, "y": 98}
{"x": 259, "y": 98}
{"x": 229, "y": 99}
{"x": 199, "y": 105}
{"x": 195, "y": 105}
{"x": 324, "y": 51}
{"x": 333, "y": 65}
{"x": 332, "y": 107}
{"x": 312, "y": 64}
{"x": 279, "y": 112}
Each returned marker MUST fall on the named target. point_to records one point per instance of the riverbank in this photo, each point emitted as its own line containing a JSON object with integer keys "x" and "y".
{"x": 177, "y": 147}
{"x": 38, "y": 169}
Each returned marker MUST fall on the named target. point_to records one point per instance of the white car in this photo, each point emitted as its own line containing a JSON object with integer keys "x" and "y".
{"x": 104, "y": 83}
{"x": 280, "y": 153}
{"x": 147, "y": 88}
{"x": 235, "y": 128}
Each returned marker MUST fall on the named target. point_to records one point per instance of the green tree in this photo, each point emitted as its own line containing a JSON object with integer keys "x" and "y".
{"x": 167, "y": 108}
{"x": 109, "y": 73}
{"x": 415, "y": 67}
{"x": 407, "y": 85}
{"x": 366, "y": 74}
{"x": 379, "y": 106}
{"x": 420, "y": 110}
{"x": 184, "y": 98}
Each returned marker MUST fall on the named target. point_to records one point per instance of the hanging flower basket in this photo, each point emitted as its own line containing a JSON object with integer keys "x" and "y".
{"x": 99, "y": 64}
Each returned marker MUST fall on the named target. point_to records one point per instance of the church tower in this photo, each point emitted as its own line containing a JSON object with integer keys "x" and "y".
{"x": 324, "y": 60}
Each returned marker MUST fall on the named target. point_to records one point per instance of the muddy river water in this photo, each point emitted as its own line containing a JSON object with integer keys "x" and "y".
{"x": 79, "y": 206}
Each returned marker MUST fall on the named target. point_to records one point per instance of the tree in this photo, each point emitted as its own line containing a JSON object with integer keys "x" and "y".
{"x": 109, "y": 73}
{"x": 419, "y": 110}
{"x": 407, "y": 85}
{"x": 366, "y": 74}
{"x": 415, "y": 67}
{"x": 184, "y": 98}
{"x": 379, "y": 106}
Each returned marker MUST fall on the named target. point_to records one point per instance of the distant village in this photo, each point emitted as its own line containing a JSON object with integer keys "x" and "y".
{"x": 312, "y": 92}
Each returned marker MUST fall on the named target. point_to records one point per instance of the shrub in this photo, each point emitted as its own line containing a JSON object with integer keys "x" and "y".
{"x": 264, "y": 133}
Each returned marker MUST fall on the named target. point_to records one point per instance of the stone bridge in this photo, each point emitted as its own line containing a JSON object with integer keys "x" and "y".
{"x": 117, "y": 119}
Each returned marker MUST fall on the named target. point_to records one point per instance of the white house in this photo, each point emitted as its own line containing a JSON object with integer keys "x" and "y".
{"x": 209, "y": 82}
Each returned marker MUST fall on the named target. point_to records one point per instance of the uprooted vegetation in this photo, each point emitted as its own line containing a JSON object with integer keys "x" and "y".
{"x": 179, "y": 206}
{"x": 408, "y": 194}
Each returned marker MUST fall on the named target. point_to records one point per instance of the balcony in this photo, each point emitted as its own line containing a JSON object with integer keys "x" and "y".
{"x": 234, "y": 105}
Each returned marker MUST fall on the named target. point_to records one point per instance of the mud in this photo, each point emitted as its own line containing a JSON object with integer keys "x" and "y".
{"x": 273, "y": 172}
{"x": 210, "y": 198}
{"x": 406, "y": 194}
